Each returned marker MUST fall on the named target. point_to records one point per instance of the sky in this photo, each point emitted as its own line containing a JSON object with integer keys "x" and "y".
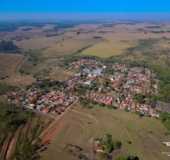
{"x": 25, "y": 7}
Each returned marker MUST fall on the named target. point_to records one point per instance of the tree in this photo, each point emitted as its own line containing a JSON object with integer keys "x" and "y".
{"x": 140, "y": 98}
{"x": 108, "y": 143}
{"x": 118, "y": 145}
{"x": 8, "y": 46}
{"x": 165, "y": 118}
{"x": 131, "y": 157}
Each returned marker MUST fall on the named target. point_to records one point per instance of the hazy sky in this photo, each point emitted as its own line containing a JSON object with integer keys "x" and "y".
{"x": 33, "y": 8}
{"x": 84, "y": 6}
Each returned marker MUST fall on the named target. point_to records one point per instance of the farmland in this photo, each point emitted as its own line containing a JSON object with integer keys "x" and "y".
{"x": 81, "y": 125}
{"x": 109, "y": 48}
{"x": 49, "y": 43}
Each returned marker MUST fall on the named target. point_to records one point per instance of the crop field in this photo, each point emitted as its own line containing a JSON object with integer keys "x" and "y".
{"x": 55, "y": 46}
{"x": 107, "y": 49}
{"x": 138, "y": 135}
{"x": 66, "y": 47}
{"x": 114, "y": 40}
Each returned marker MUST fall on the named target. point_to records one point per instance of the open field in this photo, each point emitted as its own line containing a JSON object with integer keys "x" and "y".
{"x": 118, "y": 38}
{"x": 9, "y": 70}
{"x": 36, "y": 43}
{"x": 66, "y": 47}
{"x": 95, "y": 39}
{"x": 60, "y": 74}
{"x": 107, "y": 49}
{"x": 9, "y": 64}
{"x": 81, "y": 125}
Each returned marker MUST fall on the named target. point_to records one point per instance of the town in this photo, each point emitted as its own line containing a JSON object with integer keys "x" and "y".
{"x": 114, "y": 85}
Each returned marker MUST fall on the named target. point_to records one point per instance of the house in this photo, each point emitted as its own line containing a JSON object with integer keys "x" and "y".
{"x": 167, "y": 144}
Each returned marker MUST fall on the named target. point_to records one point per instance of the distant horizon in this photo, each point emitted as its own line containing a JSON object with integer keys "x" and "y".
{"x": 154, "y": 16}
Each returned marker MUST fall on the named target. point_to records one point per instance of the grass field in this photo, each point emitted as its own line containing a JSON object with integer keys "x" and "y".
{"x": 107, "y": 49}
{"x": 81, "y": 125}
{"x": 36, "y": 43}
{"x": 9, "y": 64}
{"x": 66, "y": 47}
{"x": 9, "y": 70}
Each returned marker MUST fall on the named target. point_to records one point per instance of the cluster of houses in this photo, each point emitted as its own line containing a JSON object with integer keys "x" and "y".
{"x": 101, "y": 98}
{"x": 123, "y": 84}
{"x": 83, "y": 62}
{"x": 43, "y": 101}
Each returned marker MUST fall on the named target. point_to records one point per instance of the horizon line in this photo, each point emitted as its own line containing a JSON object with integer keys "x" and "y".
{"x": 86, "y": 16}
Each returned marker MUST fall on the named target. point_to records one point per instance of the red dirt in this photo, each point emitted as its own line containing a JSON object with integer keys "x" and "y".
{"x": 51, "y": 132}
{"x": 5, "y": 147}
{"x": 48, "y": 135}
{"x": 12, "y": 144}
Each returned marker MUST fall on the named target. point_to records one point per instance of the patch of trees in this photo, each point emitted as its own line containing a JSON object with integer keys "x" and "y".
{"x": 4, "y": 88}
{"x": 33, "y": 57}
{"x": 64, "y": 25}
{"x": 165, "y": 118}
{"x": 7, "y": 27}
{"x": 28, "y": 142}
{"x": 13, "y": 26}
{"x": 163, "y": 74}
{"x": 47, "y": 84}
{"x": 67, "y": 60}
{"x": 18, "y": 125}
{"x": 11, "y": 117}
{"x": 8, "y": 47}
{"x": 144, "y": 45}
{"x": 140, "y": 98}
{"x": 131, "y": 157}
{"x": 109, "y": 145}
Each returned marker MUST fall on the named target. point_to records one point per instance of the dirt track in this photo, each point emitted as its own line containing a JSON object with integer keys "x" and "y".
{"x": 51, "y": 131}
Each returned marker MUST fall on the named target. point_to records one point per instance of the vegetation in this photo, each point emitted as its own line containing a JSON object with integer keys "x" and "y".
{"x": 11, "y": 26}
{"x": 106, "y": 49}
{"x": 139, "y": 98}
{"x": 163, "y": 74}
{"x": 68, "y": 59}
{"x": 165, "y": 118}
{"x": 33, "y": 57}
{"x": 8, "y": 47}
{"x": 19, "y": 133}
{"x": 7, "y": 27}
{"x": 4, "y": 88}
{"x": 95, "y": 122}
{"x": 109, "y": 145}
{"x": 28, "y": 143}
{"x": 31, "y": 62}
{"x": 11, "y": 117}
{"x": 49, "y": 85}
{"x": 128, "y": 158}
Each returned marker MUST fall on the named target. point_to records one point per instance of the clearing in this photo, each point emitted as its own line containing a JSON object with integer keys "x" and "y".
{"x": 81, "y": 125}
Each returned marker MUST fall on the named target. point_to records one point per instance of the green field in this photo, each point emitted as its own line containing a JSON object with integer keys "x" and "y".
{"x": 81, "y": 125}
{"x": 106, "y": 49}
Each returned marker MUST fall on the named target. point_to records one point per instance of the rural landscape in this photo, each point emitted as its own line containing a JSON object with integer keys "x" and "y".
{"x": 84, "y": 89}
